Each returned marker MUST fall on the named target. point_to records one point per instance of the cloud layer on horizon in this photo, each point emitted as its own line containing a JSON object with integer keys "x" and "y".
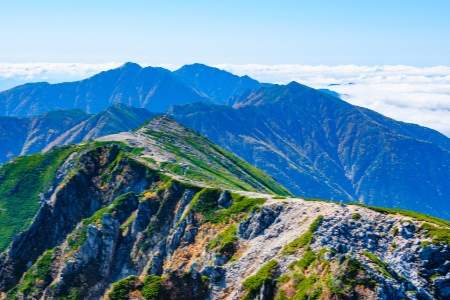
{"x": 412, "y": 94}
{"x": 12, "y": 74}
{"x": 418, "y": 95}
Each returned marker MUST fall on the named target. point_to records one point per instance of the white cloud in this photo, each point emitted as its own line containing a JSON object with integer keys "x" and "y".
{"x": 406, "y": 93}
{"x": 12, "y": 74}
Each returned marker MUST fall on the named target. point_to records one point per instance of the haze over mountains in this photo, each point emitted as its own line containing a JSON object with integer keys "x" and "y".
{"x": 310, "y": 141}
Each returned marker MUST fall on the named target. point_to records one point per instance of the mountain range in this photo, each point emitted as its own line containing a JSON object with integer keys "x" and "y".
{"x": 309, "y": 140}
{"x": 317, "y": 145}
{"x": 163, "y": 213}
{"x": 21, "y": 136}
{"x": 155, "y": 89}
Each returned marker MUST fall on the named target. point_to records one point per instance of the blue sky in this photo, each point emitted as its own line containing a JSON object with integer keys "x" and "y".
{"x": 413, "y": 32}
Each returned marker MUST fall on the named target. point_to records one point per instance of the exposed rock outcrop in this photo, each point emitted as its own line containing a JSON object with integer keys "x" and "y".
{"x": 114, "y": 226}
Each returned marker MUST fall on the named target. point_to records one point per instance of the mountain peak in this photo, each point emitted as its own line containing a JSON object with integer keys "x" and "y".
{"x": 165, "y": 125}
{"x": 162, "y": 120}
{"x": 130, "y": 65}
{"x": 198, "y": 67}
{"x": 220, "y": 86}
{"x": 189, "y": 156}
{"x": 293, "y": 92}
{"x": 294, "y": 84}
{"x": 191, "y": 69}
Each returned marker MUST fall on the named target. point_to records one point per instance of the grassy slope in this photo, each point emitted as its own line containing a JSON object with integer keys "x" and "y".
{"x": 21, "y": 182}
{"x": 210, "y": 163}
{"x": 24, "y": 179}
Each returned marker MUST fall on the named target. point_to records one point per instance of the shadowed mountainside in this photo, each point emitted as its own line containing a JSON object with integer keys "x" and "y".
{"x": 20, "y": 136}
{"x": 320, "y": 146}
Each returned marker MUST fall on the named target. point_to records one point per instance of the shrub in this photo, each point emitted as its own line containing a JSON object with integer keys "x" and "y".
{"x": 308, "y": 258}
{"x": 254, "y": 283}
{"x": 121, "y": 289}
{"x": 21, "y": 183}
{"x": 356, "y": 216}
{"x": 305, "y": 286}
{"x": 303, "y": 240}
{"x": 439, "y": 235}
{"x": 408, "y": 213}
{"x": 382, "y": 267}
{"x": 205, "y": 203}
{"x": 152, "y": 287}
{"x": 39, "y": 273}
{"x": 224, "y": 243}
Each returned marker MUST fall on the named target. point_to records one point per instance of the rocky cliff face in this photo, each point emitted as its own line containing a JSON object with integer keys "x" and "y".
{"x": 120, "y": 221}
{"x": 165, "y": 237}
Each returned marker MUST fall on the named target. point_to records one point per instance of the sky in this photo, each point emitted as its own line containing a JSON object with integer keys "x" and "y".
{"x": 395, "y": 54}
{"x": 413, "y": 32}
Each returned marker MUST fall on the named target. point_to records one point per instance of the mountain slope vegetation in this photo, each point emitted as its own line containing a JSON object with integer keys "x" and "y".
{"x": 161, "y": 144}
{"x": 136, "y": 216}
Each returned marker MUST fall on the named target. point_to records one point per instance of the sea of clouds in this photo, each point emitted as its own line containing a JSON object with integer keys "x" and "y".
{"x": 412, "y": 94}
{"x": 12, "y": 74}
{"x": 419, "y": 95}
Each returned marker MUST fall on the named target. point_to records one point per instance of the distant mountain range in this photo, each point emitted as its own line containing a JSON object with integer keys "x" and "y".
{"x": 218, "y": 86}
{"x": 155, "y": 89}
{"x": 20, "y": 136}
{"x": 311, "y": 141}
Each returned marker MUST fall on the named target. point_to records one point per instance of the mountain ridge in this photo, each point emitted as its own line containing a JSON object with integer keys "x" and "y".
{"x": 121, "y": 218}
{"x": 153, "y": 88}
{"x": 313, "y": 142}
{"x": 129, "y": 84}
{"x": 319, "y": 146}
{"x": 62, "y": 127}
{"x": 220, "y": 86}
